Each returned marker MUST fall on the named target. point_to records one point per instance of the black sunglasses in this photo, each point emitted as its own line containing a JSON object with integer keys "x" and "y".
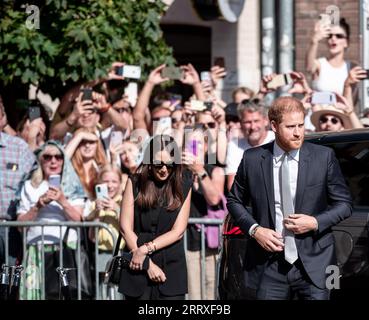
{"x": 175, "y": 120}
{"x": 207, "y": 125}
{"x": 254, "y": 100}
{"x": 48, "y": 157}
{"x": 334, "y": 120}
{"x": 159, "y": 165}
{"x": 338, "y": 35}
{"x": 122, "y": 110}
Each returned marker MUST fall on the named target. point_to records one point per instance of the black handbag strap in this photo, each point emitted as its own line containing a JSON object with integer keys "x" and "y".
{"x": 117, "y": 244}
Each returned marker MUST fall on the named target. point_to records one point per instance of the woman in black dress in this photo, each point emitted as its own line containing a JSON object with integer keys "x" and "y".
{"x": 155, "y": 211}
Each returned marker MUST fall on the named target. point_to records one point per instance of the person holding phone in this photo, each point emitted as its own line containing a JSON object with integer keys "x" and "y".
{"x": 87, "y": 155}
{"x": 337, "y": 117}
{"x": 34, "y": 127}
{"x": 207, "y": 191}
{"x": 16, "y": 160}
{"x": 106, "y": 209}
{"x": 329, "y": 73}
{"x": 155, "y": 211}
{"x": 40, "y": 201}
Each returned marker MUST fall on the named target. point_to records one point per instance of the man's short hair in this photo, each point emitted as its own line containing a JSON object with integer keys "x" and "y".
{"x": 283, "y": 105}
{"x": 251, "y": 106}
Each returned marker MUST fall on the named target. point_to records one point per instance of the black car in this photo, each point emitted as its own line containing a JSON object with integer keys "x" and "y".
{"x": 351, "y": 235}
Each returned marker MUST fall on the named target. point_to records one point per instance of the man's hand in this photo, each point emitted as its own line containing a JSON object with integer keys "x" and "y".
{"x": 269, "y": 239}
{"x": 300, "y": 223}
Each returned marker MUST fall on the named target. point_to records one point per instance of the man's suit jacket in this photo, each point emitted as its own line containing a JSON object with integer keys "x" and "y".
{"x": 321, "y": 192}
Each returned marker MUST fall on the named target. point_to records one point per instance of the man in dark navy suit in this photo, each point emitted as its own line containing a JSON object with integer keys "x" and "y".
{"x": 297, "y": 194}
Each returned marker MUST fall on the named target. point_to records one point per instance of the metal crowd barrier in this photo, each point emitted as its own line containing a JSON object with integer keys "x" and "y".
{"x": 96, "y": 225}
{"x": 203, "y": 222}
{"x": 71, "y": 224}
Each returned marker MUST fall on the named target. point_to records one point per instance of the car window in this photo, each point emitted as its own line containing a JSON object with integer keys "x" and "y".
{"x": 354, "y": 161}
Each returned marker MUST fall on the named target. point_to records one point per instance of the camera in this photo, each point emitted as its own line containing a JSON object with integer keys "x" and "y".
{"x": 128, "y": 71}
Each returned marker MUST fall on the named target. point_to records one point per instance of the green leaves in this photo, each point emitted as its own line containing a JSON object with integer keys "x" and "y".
{"x": 78, "y": 41}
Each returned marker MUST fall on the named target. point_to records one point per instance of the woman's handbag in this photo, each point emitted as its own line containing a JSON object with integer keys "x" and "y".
{"x": 117, "y": 263}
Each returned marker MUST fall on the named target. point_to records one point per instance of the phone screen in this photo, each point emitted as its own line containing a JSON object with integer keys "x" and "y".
{"x": 54, "y": 180}
{"x": 192, "y": 147}
{"x": 86, "y": 94}
{"x": 34, "y": 113}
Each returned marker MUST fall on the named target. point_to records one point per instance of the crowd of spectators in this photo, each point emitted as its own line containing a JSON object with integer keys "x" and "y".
{"x": 102, "y": 138}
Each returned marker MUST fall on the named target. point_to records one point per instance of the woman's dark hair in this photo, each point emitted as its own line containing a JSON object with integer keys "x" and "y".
{"x": 159, "y": 99}
{"x": 149, "y": 194}
{"x": 345, "y": 26}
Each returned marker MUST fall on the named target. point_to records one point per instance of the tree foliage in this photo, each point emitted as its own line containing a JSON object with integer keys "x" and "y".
{"x": 78, "y": 40}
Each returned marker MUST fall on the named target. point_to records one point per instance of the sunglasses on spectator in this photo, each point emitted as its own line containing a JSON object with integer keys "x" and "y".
{"x": 324, "y": 119}
{"x": 208, "y": 125}
{"x": 175, "y": 120}
{"x": 338, "y": 35}
{"x": 159, "y": 165}
{"x": 254, "y": 100}
{"x": 48, "y": 157}
{"x": 83, "y": 142}
{"x": 122, "y": 110}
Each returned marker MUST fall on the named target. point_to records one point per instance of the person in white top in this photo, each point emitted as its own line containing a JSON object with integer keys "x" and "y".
{"x": 254, "y": 124}
{"x": 329, "y": 73}
{"x": 53, "y": 193}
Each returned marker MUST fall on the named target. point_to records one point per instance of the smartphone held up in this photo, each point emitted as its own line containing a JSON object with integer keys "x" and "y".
{"x": 102, "y": 191}
{"x": 128, "y": 71}
{"x": 173, "y": 73}
{"x": 54, "y": 180}
{"x": 279, "y": 80}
